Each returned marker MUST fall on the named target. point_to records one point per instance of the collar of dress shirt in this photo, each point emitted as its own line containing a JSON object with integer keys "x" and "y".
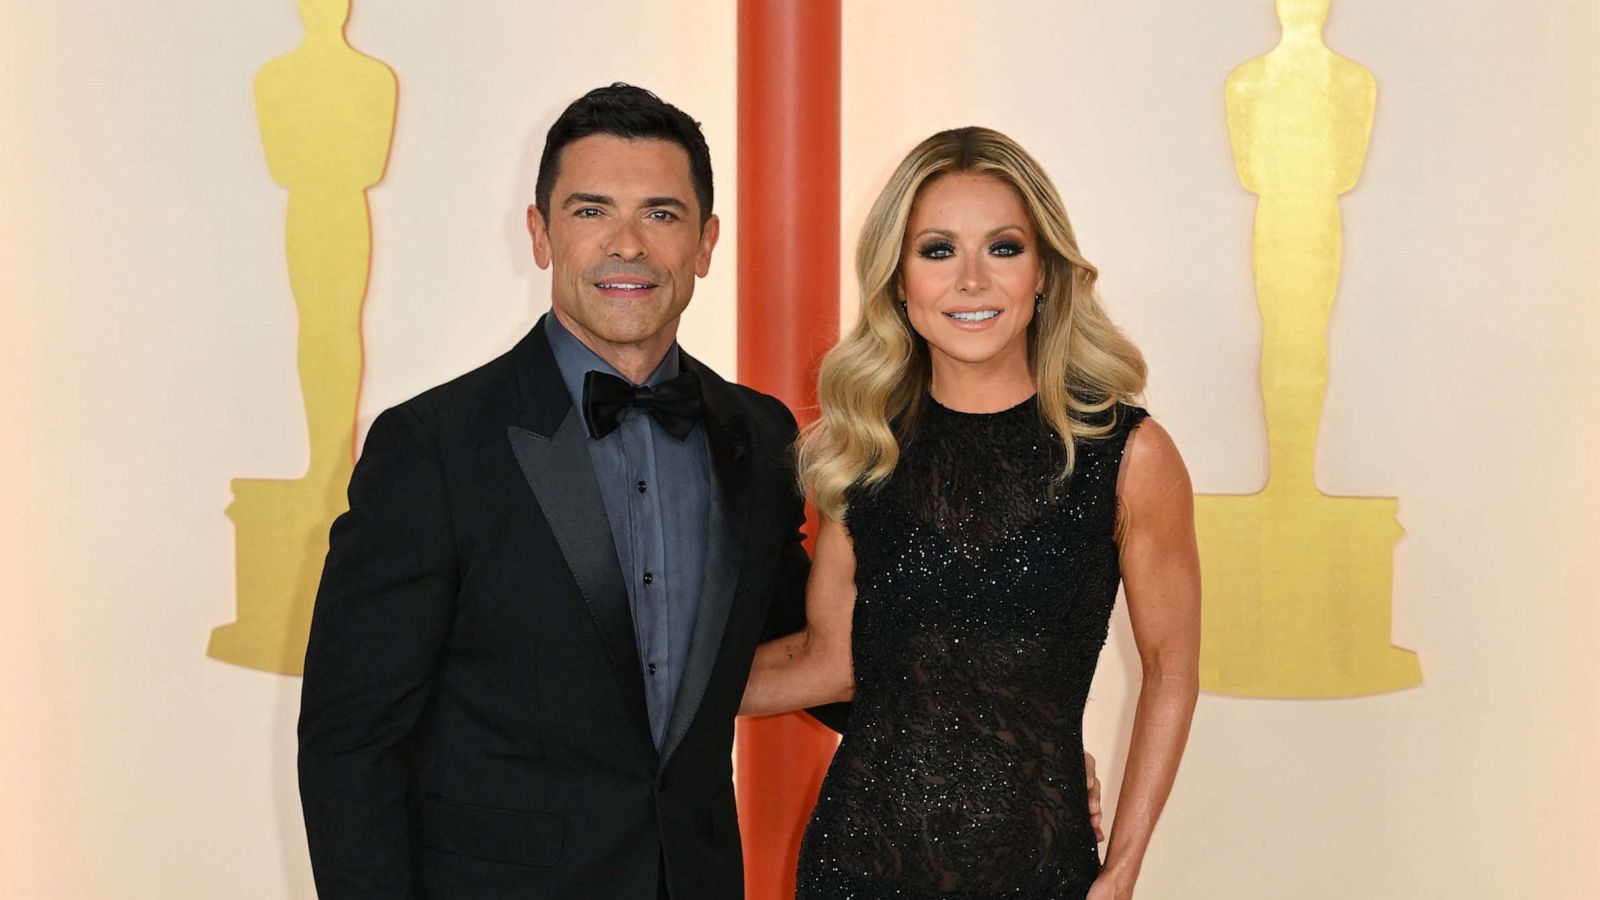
{"x": 575, "y": 360}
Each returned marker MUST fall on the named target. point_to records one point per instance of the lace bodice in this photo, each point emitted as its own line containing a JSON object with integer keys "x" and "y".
{"x": 983, "y": 600}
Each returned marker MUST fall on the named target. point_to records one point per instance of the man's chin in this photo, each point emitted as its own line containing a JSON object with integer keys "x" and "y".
{"x": 630, "y": 330}
{"x": 624, "y": 322}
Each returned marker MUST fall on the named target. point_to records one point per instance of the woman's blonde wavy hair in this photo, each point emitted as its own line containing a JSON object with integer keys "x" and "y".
{"x": 872, "y": 382}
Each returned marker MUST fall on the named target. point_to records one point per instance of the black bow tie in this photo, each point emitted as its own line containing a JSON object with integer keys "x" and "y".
{"x": 674, "y": 403}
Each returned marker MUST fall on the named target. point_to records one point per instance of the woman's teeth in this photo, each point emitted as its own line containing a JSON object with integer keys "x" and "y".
{"x": 979, "y": 316}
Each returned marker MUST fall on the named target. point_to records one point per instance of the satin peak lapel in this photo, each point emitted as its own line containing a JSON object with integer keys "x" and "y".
{"x": 559, "y": 470}
{"x": 730, "y": 471}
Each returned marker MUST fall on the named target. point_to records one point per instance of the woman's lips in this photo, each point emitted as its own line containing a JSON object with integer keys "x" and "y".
{"x": 973, "y": 319}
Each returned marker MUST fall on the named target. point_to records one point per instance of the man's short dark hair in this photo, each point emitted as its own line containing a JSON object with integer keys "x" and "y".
{"x": 628, "y": 112}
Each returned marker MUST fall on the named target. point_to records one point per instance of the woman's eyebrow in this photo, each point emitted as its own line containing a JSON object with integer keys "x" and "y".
{"x": 945, "y": 233}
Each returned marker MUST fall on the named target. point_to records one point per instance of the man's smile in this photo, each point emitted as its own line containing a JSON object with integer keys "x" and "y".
{"x": 625, "y": 287}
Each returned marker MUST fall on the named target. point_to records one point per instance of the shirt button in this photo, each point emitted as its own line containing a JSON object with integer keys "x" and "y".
{"x": 649, "y": 577}
{"x": 642, "y": 487}
{"x": 652, "y": 668}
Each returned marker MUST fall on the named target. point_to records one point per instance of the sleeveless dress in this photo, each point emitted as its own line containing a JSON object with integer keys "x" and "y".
{"x": 983, "y": 598}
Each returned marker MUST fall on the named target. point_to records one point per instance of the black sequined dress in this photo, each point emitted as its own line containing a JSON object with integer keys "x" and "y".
{"x": 982, "y": 604}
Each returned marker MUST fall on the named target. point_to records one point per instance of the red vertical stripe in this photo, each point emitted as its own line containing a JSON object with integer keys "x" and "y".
{"x": 788, "y": 316}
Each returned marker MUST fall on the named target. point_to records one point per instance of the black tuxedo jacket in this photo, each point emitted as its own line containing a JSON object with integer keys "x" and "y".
{"x": 473, "y": 718}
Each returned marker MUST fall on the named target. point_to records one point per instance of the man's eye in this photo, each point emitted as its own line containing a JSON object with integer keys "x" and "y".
{"x": 662, "y": 215}
{"x": 587, "y": 212}
{"x": 1006, "y": 248}
{"x": 937, "y": 250}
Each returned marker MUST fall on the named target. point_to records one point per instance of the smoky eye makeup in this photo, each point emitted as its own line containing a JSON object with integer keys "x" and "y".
{"x": 936, "y": 250}
{"x": 1007, "y": 247}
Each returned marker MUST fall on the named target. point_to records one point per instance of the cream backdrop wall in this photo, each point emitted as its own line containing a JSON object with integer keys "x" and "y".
{"x": 146, "y": 349}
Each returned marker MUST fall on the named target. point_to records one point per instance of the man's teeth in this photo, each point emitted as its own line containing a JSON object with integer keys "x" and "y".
{"x": 622, "y": 286}
{"x": 981, "y": 315}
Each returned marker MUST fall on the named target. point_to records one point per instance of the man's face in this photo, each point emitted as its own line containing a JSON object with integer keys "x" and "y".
{"x": 625, "y": 242}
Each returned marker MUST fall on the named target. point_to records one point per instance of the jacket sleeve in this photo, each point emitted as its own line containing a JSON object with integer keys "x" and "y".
{"x": 382, "y": 615}
{"x": 787, "y": 612}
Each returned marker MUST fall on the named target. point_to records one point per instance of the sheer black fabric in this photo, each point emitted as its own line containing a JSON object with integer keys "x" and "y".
{"x": 983, "y": 600}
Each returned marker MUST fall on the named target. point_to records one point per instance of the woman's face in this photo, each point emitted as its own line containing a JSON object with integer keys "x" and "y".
{"x": 970, "y": 270}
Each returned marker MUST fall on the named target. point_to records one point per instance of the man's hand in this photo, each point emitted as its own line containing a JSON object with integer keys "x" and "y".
{"x": 1094, "y": 797}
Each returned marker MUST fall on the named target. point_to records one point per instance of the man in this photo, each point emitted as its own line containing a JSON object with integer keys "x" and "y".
{"x": 536, "y": 621}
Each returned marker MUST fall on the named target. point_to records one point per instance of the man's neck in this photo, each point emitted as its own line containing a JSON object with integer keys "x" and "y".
{"x": 634, "y": 361}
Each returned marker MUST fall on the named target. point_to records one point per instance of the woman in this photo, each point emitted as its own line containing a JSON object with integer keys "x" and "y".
{"x": 984, "y": 484}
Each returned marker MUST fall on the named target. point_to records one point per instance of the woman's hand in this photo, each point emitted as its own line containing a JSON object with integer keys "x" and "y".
{"x": 1110, "y": 887}
{"x": 1094, "y": 798}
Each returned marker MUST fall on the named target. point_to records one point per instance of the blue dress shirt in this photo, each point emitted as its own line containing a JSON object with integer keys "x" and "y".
{"x": 656, "y": 490}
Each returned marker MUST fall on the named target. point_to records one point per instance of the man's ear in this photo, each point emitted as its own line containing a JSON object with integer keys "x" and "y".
{"x": 539, "y": 232}
{"x": 708, "y": 242}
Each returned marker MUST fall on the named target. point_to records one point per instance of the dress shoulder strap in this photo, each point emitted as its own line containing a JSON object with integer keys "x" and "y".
{"x": 1125, "y": 417}
{"x": 1101, "y": 460}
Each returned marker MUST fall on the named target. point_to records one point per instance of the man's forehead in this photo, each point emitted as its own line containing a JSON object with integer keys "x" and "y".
{"x": 623, "y": 167}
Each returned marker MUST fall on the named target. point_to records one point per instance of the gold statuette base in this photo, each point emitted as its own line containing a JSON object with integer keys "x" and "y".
{"x": 1298, "y": 596}
{"x": 280, "y": 538}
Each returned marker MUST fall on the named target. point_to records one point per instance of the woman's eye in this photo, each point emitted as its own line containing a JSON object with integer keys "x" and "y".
{"x": 937, "y": 250}
{"x": 1006, "y": 248}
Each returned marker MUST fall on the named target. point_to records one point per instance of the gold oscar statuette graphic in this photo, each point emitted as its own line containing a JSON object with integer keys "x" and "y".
{"x": 326, "y": 115}
{"x": 1298, "y": 582}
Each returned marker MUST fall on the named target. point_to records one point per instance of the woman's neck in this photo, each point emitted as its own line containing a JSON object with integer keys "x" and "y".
{"x": 990, "y": 386}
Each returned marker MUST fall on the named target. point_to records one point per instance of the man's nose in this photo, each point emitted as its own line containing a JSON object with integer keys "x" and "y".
{"x": 625, "y": 242}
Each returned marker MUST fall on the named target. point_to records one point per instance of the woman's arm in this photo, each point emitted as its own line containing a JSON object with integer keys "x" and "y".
{"x": 812, "y": 666}
{"x": 1161, "y": 577}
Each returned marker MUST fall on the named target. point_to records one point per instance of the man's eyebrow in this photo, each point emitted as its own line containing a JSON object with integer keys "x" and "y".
{"x": 599, "y": 199}
{"x": 669, "y": 202}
